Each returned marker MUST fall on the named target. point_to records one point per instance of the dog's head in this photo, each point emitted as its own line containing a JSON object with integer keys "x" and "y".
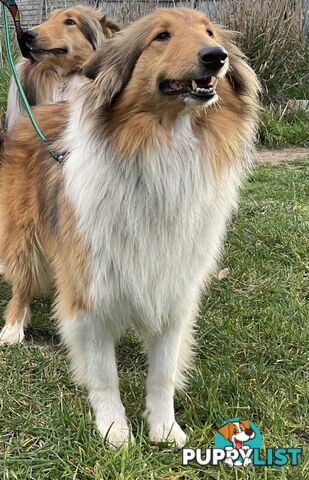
{"x": 237, "y": 432}
{"x": 172, "y": 59}
{"x": 69, "y": 36}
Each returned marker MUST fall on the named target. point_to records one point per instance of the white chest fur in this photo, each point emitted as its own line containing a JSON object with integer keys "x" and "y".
{"x": 153, "y": 225}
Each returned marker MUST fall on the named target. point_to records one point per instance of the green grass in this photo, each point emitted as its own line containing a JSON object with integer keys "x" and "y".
{"x": 4, "y": 70}
{"x": 251, "y": 361}
{"x": 280, "y": 130}
{"x": 4, "y": 81}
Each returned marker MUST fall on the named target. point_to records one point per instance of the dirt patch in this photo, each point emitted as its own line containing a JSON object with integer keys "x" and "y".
{"x": 277, "y": 156}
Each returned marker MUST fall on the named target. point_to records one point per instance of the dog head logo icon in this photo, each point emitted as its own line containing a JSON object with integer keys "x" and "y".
{"x": 238, "y": 436}
{"x": 237, "y": 433}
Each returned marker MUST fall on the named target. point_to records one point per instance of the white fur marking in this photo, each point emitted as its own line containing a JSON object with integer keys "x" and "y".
{"x": 12, "y": 334}
{"x": 92, "y": 352}
{"x": 154, "y": 227}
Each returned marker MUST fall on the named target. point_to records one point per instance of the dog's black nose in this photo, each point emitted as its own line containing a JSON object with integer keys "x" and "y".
{"x": 249, "y": 432}
{"x": 212, "y": 57}
{"x": 29, "y": 36}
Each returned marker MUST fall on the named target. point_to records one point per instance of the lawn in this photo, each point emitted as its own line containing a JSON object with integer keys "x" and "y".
{"x": 251, "y": 360}
{"x": 280, "y": 129}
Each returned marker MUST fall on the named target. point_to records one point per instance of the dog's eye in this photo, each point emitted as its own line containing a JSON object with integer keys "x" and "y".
{"x": 162, "y": 37}
{"x": 210, "y": 33}
{"x": 69, "y": 21}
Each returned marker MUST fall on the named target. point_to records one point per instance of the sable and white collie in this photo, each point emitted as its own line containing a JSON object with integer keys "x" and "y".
{"x": 158, "y": 138}
{"x": 58, "y": 48}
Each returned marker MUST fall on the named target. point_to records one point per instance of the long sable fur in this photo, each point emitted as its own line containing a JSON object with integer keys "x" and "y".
{"x": 46, "y": 79}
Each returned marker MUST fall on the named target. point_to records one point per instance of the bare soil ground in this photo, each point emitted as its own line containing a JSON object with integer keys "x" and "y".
{"x": 277, "y": 156}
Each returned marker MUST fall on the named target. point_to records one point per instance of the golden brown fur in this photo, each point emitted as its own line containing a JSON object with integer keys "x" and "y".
{"x": 45, "y": 77}
{"x": 41, "y": 220}
{"x": 133, "y": 223}
{"x": 36, "y": 219}
{"x": 132, "y": 119}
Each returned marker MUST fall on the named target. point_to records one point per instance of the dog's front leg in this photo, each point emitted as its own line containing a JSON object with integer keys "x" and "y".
{"x": 163, "y": 356}
{"x": 92, "y": 348}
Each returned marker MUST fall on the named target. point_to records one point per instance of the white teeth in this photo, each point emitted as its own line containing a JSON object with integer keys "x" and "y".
{"x": 203, "y": 90}
{"x": 194, "y": 85}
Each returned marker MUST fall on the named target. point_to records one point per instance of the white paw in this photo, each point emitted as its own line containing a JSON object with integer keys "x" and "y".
{"x": 116, "y": 434}
{"x": 170, "y": 432}
{"x": 12, "y": 334}
{"x": 2, "y": 269}
{"x": 247, "y": 462}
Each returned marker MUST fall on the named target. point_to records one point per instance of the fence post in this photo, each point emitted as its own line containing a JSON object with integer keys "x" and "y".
{"x": 40, "y": 11}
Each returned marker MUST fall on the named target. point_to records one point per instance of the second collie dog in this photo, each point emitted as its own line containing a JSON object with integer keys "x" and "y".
{"x": 158, "y": 139}
{"x": 58, "y": 48}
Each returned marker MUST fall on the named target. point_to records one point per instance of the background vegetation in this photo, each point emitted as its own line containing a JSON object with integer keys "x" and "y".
{"x": 274, "y": 36}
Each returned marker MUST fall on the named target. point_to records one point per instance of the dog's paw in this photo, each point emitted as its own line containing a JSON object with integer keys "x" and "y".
{"x": 12, "y": 334}
{"x": 116, "y": 434}
{"x": 2, "y": 269}
{"x": 167, "y": 432}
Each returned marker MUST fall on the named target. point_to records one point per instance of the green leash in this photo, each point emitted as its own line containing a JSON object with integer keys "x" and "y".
{"x": 56, "y": 156}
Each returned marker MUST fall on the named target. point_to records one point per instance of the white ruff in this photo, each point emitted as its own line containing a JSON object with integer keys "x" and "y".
{"x": 154, "y": 225}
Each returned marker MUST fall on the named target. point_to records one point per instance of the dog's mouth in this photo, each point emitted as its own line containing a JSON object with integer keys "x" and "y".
{"x": 238, "y": 444}
{"x": 51, "y": 51}
{"x": 202, "y": 88}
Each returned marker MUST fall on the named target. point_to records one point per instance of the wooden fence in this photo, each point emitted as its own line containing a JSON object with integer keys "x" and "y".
{"x": 35, "y": 11}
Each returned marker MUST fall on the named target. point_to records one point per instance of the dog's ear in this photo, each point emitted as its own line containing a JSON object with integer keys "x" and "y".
{"x": 109, "y": 26}
{"x": 240, "y": 75}
{"x": 91, "y": 29}
{"x": 112, "y": 66}
{"x": 246, "y": 424}
{"x": 224, "y": 431}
